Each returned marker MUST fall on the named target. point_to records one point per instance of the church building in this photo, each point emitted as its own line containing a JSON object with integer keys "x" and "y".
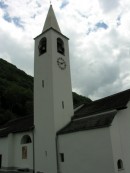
{"x": 92, "y": 138}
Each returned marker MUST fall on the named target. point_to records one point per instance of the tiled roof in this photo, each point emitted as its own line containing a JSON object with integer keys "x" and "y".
{"x": 97, "y": 114}
{"x": 117, "y": 101}
{"x": 17, "y": 125}
{"x": 90, "y": 122}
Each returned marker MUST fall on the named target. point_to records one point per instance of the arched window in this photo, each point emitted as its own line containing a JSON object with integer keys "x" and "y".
{"x": 26, "y": 139}
{"x": 60, "y": 46}
{"x": 120, "y": 164}
{"x": 42, "y": 46}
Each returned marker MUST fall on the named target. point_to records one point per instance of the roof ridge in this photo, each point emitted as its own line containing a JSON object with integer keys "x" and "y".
{"x": 116, "y": 101}
{"x": 94, "y": 114}
{"x": 95, "y": 101}
{"x": 16, "y": 119}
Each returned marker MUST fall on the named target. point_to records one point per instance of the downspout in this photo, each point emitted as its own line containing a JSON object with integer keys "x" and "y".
{"x": 57, "y": 155}
{"x": 33, "y": 152}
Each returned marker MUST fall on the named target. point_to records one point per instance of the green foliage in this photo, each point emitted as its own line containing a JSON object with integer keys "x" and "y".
{"x": 6, "y": 115}
{"x": 16, "y": 93}
{"x": 78, "y": 100}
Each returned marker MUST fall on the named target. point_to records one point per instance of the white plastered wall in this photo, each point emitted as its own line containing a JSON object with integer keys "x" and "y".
{"x": 49, "y": 115}
{"x": 4, "y": 151}
{"x": 11, "y": 151}
{"x": 45, "y": 154}
{"x": 120, "y": 134}
{"x": 62, "y": 90}
{"x": 86, "y": 152}
{"x": 18, "y": 161}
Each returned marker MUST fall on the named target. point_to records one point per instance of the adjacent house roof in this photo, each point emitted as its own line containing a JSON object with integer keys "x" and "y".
{"x": 117, "y": 101}
{"x": 17, "y": 125}
{"x": 97, "y": 114}
{"x": 91, "y": 122}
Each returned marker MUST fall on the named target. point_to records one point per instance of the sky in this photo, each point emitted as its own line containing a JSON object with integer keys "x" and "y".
{"x": 99, "y": 32}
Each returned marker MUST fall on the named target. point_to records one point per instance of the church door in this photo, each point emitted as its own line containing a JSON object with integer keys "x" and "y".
{"x": 0, "y": 160}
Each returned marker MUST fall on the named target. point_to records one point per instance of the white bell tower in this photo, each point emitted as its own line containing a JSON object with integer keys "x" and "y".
{"x": 53, "y": 105}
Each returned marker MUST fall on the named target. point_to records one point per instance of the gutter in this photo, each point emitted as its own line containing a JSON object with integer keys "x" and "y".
{"x": 57, "y": 153}
{"x": 33, "y": 152}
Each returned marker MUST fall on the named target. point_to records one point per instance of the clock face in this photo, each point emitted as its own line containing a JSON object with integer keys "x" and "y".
{"x": 61, "y": 63}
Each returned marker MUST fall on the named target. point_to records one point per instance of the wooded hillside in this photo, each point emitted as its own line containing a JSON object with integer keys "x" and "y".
{"x": 16, "y": 93}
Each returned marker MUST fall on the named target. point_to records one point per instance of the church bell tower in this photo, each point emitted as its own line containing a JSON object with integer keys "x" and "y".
{"x": 53, "y": 105}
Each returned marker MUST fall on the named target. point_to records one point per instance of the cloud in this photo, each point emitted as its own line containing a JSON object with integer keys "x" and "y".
{"x": 12, "y": 51}
{"x": 104, "y": 66}
{"x": 108, "y": 6}
{"x": 100, "y": 61}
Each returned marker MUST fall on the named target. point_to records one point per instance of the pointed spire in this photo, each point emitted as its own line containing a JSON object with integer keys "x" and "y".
{"x": 51, "y": 21}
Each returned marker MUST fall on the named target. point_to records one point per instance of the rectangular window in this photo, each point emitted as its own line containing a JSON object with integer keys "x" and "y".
{"x": 46, "y": 153}
{"x": 0, "y": 160}
{"x": 43, "y": 83}
{"x": 62, "y": 157}
{"x": 24, "y": 152}
{"x": 62, "y": 104}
